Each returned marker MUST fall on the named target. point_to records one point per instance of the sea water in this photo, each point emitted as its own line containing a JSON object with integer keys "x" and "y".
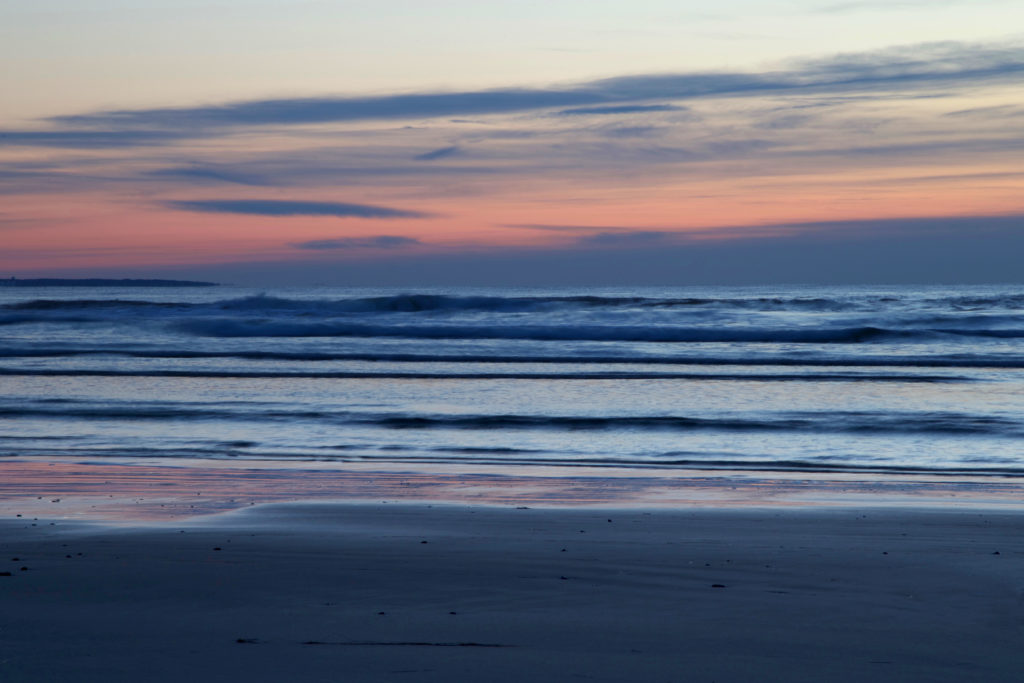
{"x": 863, "y": 379}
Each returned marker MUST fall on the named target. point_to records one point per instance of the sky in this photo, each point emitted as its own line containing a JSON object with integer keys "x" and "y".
{"x": 563, "y": 142}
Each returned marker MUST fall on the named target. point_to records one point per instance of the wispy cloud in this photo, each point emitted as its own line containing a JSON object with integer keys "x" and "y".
{"x": 632, "y": 237}
{"x": 374, "y": 242}
{"x": 998, "y": 111}
{"x": 340, "y": 109}
{"x": 904, "y": 69}
{"x": 207, "y": 174}
{"x": 90, "y": 139}
{"x": 630, "y": 131}
{"x": 442, "y": 153}
{"x": 15, "y": 223}
{"x": 277, "y": 207}
{"x": 621, "y": 109}
{"x": 832, "y": 121}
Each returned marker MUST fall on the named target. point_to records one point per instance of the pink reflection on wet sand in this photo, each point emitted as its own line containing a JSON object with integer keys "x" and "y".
{"x": 74, "y": 490}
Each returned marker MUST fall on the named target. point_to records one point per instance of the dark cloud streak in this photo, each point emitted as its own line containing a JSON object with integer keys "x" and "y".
{"x": 815, "y": 231}
{"x": 621, "y": 109}
{"x": 903, "y": 69}
{"x": 204, "y": 174}
{"x": 340, "y": 109}
{"x": 375, "y": 242}
{"x": 276, "y": 207}
{"x": 442, "y": 153}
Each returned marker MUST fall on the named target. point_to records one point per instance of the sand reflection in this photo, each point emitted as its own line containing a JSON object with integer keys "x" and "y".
{"x": 131, "y": 491}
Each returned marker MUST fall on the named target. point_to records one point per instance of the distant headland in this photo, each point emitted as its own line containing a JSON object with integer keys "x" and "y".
{"x": 99, "y": 282}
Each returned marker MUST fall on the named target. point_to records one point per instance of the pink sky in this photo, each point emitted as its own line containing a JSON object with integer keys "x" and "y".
{"x": 681, "y": 149}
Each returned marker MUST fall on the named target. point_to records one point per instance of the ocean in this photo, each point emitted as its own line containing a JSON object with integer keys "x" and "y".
{"x": 880, "y": 380}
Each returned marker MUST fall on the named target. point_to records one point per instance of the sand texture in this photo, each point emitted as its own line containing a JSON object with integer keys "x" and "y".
{"x": 346, "y": 592}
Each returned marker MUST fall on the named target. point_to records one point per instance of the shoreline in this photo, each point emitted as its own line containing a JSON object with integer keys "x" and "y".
{"x": 380, "y": 592}
{"x": 139, "y": 491}
{"x": 266, "y": 572}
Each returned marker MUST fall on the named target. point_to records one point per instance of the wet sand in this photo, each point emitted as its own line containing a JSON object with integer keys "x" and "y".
{"x": 123, "y": 489}
{"x": 414, "y": 592}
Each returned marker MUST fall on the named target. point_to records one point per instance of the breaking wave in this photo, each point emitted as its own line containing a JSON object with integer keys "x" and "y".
{"x": 224, "y": 327}
{"x": 864, "y": 422}
{"x": 413, "y": 303}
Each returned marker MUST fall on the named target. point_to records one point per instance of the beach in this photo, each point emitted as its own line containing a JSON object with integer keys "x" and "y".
{"x": 633, "y": 484}
{"x": 512, "y": 342}
{"x": 434, "y": 592}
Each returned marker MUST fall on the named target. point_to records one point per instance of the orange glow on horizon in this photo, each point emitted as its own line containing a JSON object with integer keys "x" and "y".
{"x": 88, "y": 231}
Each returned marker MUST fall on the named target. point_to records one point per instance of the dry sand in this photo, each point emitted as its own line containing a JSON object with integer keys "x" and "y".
{"x": 357, "y": 592}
